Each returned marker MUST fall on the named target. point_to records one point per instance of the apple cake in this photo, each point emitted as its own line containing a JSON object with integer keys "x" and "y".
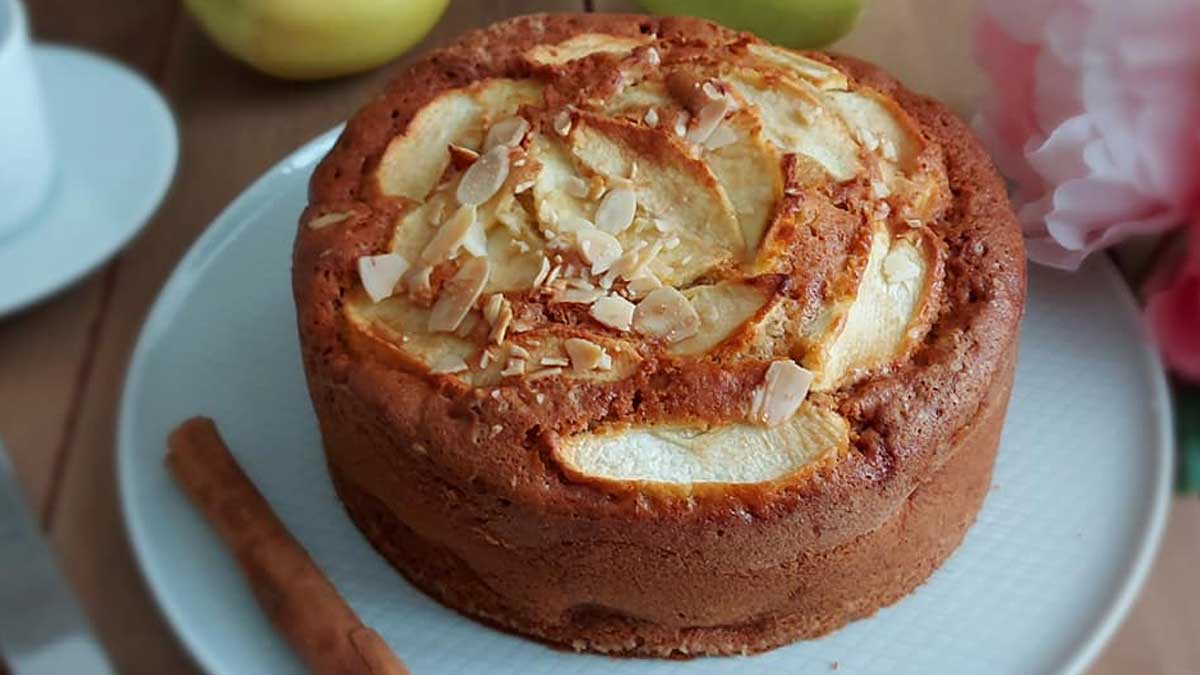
{"x": 642, "y": 336}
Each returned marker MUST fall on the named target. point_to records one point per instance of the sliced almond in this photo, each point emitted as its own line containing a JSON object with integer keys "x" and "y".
{"x": 666, "y": 313}
{"x": 484, "y": 178}
{"x": 508, "y": 132}
{"x": 899, "y": 267}
{"x": 519, "y": 352}
{"x": 562, "y": 123}
{"x": 513, "y": 367}
{"x": 459, "y": 295}
{"x": 605, "y": 362}
{"x": 643, "y": 285}
{"x": 615, "y": 213}
{"x": 707, "y": 119}
{"x": 475, "y": 242}
{"x": 651, "y": 117}
{"x": 652, "y": 56}
{"x": 554, "y": 361}
{"x": 491, "y": 308}
{"x": 579, "y": 296}
{"x": 327, "y": 219}
{"x": 585, "y": 355}
{"x": 783, "y": 390}
{"x": 500, "y": 327}
{"x": 600, "y": 249}
{"x": 449, "y": 236}
{"x": 681, "y": 123}
{"x": 577, "y": 187}
{"x": 614, "y": 312}
{"x": 462, "y": 157}
{"x": 545, "y": 372}
{"x": 449, "y": 365}
{"x": 722, "y": 136}
{"x": 419, "y": 284}
{"x": 380, "y": 274}
{"x": 543, "y": 272}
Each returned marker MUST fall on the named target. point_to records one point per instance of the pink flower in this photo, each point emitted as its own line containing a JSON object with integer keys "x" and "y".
{"x": 1173, "y": 309}
{"x": 1095, "y": 115}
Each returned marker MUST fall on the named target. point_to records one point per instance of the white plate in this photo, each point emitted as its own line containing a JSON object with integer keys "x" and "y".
{"x": 1063, "y": 542}
{"x": 116, "y": 148}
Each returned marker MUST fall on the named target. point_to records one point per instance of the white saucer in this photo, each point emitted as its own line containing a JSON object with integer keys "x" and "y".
{"x": 1062, "y": 544}
{"x": 116, "y": 147}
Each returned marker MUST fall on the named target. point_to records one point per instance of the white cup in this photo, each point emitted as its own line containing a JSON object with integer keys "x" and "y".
{"x": 26, "y": 156}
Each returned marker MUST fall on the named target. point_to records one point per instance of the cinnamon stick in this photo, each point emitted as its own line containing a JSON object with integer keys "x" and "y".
{"x": 301, "y": 603}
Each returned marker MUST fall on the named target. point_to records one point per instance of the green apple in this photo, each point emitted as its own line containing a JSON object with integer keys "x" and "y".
{"x": 799, "y": 24}
{"x": 314, "y": 39}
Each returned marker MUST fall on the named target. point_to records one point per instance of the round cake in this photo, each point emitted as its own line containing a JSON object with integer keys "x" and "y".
{"x": 642, "y": 336}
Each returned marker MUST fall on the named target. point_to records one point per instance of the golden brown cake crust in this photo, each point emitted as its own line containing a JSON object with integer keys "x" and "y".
{"x": 551, "y": 553}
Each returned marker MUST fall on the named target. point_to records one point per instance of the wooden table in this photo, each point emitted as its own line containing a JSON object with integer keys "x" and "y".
{"x": 62, "y": 363}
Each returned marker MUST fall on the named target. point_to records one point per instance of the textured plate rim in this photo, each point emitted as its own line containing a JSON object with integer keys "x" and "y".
{"x": 1083, "y": 653}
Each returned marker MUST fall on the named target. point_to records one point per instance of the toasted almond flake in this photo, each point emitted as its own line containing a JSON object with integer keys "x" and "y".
{"x": 606, "y": 281}
{"x": 521, "y": 246}
{"x": 327, "y": 219}
{"x": 544, "y": 372}
{"x": 710, "y": 90}
{"x": 554, "y": 272}
{"x": 449, "y": 366}
{"x": 614, "y": 312}
{"x": 459, "y": 295}
{"x": 652, "y": 56}
{"x": 519, "y": 352}
{"x": 662, "y": 226}
{"x": 485, "y": 359}
{"x": 888, "y": 149}
{"x": 783, "y": 390}
{"x": 574, "y": 223}
{"x": 380, "y": 274}
{"x": 722, "y": 136}
{"x": 543, "y": 272}
{"x": 579, "y": 296}
{"x": 681, "y": 123}
{"x": 879, "y": 189}
{"x": 666, "y": 313}
{"x": 584, "y": 355}
{"x": 497, "y": 429}
{"x": 475, "y": 242}
{"x": 605, "y": 363}
{"x": 562, "y": 123}
{"x": 600, "y": 249}
{"x": 616, "y": 210}
{"x": 651, "y": 117}
{"x": 467, "y": 326}
{"x": 554, "y": 361}
{"x": 576, "y": 187}
{"x": 882, "y": 210}
{"x": 500, "y": 328}
{"x": 707, "y": 119}
{"x": 483, "y": 178}
{"x": 449, "y": 237}
{"x": 540, "y": 398}
{"x": 581, "y": 282}
{"x": 671, "y": 243}
{"x": 524, "y": 186}
{"x": 913, "y": 222}
{"x": 418, "y": 283}
{"x": 509, "y": 132}
{"x": 461, "y": 156}
{"x": 495, "y": 394}
{"x": 513, "y": 367}
{"x": 643, "y": 285}
{"x": 792, "y": 191}
{"x": 491, "y": 308}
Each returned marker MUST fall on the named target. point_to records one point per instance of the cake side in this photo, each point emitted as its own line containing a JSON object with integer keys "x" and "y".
{"x": 425, "y": 449}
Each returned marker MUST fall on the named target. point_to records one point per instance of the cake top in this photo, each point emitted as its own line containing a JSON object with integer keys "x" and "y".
{"x": 730, "y": 233}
